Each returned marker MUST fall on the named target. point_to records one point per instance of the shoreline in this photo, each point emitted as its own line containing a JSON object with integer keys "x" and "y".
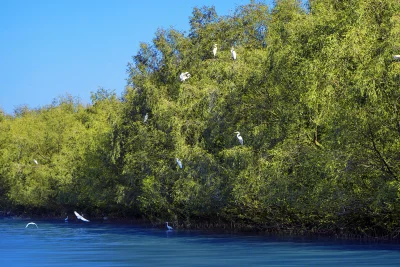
{"x": 225, "y": 228}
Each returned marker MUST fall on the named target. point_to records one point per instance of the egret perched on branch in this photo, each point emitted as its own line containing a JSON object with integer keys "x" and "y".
{"x": 396, "y": 57}
{"x": 179, "y": 163}
{"x": 184, "y": 76}
{"x": 34, "y": 160}
{"x": 146, "y": 117}
{"x": 215, "y": 50}
{"x": 233, "y": 53}
{"x": 80, "y": 217}
{"x": 239, "y": 138}
{"x": 31, "y": 223}
{"x": 169, "y": 227}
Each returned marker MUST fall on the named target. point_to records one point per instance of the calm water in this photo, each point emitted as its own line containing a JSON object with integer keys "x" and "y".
{"x": 90, "y": 244}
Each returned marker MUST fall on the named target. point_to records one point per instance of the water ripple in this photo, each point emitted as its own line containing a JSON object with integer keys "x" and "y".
{"x": 80, "y": 244}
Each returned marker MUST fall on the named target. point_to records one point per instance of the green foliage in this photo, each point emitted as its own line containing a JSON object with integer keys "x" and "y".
{"x": 314, "y": 93}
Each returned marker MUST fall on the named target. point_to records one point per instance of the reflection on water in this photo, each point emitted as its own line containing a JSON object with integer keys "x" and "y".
{"x": 91, "y": 244}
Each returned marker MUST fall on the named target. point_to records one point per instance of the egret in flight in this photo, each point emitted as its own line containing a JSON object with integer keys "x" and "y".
{"x": 146, "y": 117}
{"x": 34, "y": 160}
{"x": 184, "y": 76}
{"x": 239, "y": 138}
{"x": 215, "y": 50}
{"x": 80, "y": 217}
{"x": 31, "y": 223}
{"x": 233, "y": 53}
{"x": 179, "y": 163}
{"x": 169, "y": 227}
{"x": 396, "y": 57}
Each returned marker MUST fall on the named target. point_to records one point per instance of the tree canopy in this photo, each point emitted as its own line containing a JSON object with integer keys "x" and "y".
{"x": 314, "y": 92}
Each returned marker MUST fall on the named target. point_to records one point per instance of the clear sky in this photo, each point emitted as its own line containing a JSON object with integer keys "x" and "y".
{"x": 50, "y": 48}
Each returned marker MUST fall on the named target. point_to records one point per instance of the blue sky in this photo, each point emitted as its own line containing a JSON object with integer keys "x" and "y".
{"x": 50, "y": 48}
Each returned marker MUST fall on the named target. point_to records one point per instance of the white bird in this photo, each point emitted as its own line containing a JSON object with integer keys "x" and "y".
{"x": 179, "y": 163}
{"x": 80, "y": 217}
{"x": 396, "y": 57}
{"x": 239, "y": 138}
{"x": 66, "y": 219}
{"x": 233, "y": 53}
{"x": 146, "y": 117}
{"x": 31, "y": 223}
{"x": 34, "y": 160}
{"x": 184, "y": 76}
{"x": 169, "y": 227}
{"x": 215, "y": 50}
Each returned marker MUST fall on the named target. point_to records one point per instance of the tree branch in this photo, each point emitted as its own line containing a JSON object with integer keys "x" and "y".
{"x": 389, "y": 170}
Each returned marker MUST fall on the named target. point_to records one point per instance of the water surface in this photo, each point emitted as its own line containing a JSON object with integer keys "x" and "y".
{"x": 98, "y": 244}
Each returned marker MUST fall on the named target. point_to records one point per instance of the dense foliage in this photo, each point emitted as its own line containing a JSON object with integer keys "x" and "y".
{"x": 314, "y": 92}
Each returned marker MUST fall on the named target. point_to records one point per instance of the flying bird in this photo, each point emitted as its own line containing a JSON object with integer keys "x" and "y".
{"x": 80, "y": 217}
{"x": 215, "y": 50}
{"x": 239, "y": 138}
{"x": 31, "y": 223}
{"x": 396, "y": 57}
{"x": 34, "y": 160}
{"x": 146, "y": 117}
{"x": 184, "y": 76}
{"x": 233, "y": 53}
{"x": 169, "y": 227}
{"x": 179, "y": 163}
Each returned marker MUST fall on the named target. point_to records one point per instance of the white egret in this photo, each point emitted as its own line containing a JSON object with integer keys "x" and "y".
{"x": 31, "y": 223}
{"x": 66, "y": 219}
{"x": 184, "y": 76}
{"x": 179, "y": 163}
{"x": 396, "y": 57}
{"x": 215, "y": 50}
{"x": 34, "y": 160}
{"x": 239, "y": 138}
{"x": 233, "y": 53}
{"x": 146, "y": 117}
{"x": 169, "y": 227}
{"x": 80, "y": 217}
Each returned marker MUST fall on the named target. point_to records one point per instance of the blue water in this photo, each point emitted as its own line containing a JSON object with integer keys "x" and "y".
{"x": 97, "y": 244}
